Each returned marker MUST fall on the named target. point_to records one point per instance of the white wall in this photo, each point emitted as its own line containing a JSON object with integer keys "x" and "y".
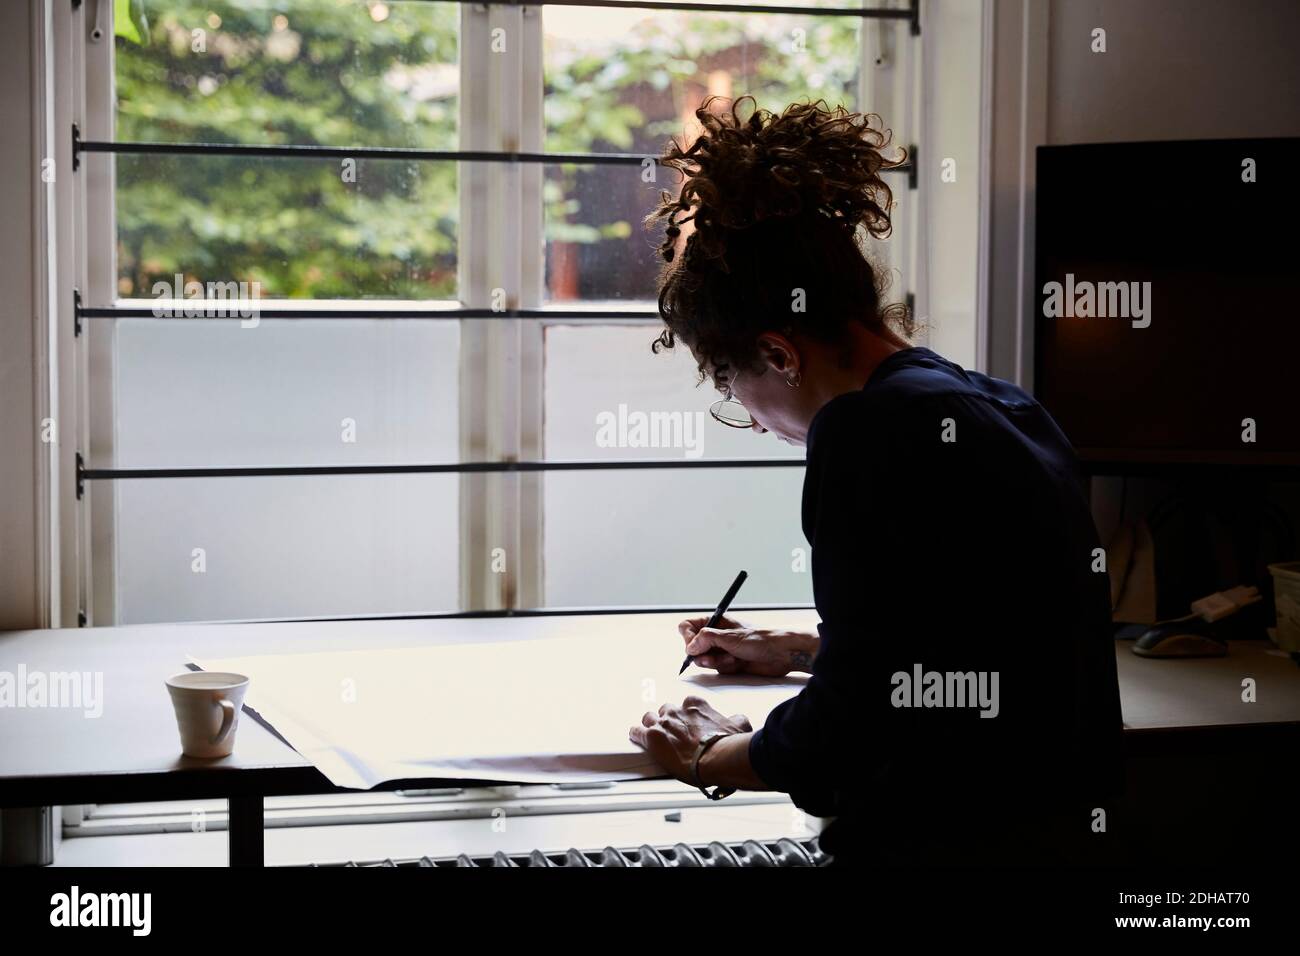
{"x": 1174, "y": 69}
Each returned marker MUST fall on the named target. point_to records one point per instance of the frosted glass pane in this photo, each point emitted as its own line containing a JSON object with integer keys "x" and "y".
{"x": 674, "y": 537}
{"x": 606, "y": 375}
{"x": 199, "y": 393}
{"x": 339, "y": 391}
{"x": 285, "y": 547}
{"x": 659, "y": 537}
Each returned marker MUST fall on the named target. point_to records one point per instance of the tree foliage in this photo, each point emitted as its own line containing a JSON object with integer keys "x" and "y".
{"x": 364, "y": 73}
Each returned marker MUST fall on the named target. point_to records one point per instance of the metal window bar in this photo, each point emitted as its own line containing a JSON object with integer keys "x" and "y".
{"x": 378, "y": 310}
{"x": 85, "y": 474}
{"x": 910, "y": 13}
{"x": 310, "y": 151}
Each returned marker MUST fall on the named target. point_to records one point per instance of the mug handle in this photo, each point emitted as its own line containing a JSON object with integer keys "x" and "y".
{"x": 227, "y": 720}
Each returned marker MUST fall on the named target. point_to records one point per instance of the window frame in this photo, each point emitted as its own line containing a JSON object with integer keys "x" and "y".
{"x": 494, "y": 507}
{"x": 500, "y": 101}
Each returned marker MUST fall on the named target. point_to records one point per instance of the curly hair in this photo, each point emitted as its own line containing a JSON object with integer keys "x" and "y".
{"x": 776, "y": 201}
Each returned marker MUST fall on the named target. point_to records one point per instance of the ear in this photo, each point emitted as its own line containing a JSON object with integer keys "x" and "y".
{"x": 779, "y": 353}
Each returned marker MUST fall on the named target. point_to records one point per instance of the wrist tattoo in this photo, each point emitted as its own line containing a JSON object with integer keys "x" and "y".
{"x": 800, "y": 659}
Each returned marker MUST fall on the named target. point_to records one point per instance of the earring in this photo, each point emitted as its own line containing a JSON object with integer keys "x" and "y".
{"x": 793, "y": 383}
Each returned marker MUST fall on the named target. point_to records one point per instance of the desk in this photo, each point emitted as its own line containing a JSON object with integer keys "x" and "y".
{"x": 51, "y": 757}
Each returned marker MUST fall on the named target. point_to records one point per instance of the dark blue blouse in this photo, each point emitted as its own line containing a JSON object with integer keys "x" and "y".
{"x": 953, "y": 551}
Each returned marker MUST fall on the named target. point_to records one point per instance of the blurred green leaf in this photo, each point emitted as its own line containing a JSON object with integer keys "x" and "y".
{"x": 129, "y": 20}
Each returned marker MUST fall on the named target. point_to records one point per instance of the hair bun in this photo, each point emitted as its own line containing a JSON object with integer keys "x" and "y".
{"x": 745, "y": 170}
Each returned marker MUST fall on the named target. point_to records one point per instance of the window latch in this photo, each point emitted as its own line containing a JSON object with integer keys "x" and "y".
{"x": 97, "y": 27}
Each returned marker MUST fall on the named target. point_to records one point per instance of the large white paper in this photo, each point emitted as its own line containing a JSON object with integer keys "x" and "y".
{"x": 532, "y": 711}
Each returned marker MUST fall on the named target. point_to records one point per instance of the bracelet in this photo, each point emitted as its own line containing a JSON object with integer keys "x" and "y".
{"x": 718, "y": 792}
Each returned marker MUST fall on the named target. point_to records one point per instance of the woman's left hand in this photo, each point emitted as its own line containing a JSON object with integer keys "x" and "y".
{"x": 672, "y": 735}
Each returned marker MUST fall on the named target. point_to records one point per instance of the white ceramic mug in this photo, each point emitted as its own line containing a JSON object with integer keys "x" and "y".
{"x": 207, "y": 705}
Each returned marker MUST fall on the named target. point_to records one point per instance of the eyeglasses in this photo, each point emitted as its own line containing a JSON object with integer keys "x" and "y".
{"x": 729, "y": 411}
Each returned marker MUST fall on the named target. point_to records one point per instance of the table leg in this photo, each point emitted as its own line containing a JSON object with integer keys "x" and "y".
{"x": 246, "y": 831}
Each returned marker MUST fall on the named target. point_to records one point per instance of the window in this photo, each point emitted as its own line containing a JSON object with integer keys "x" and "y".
{"x": 350, "y": 229}
{"x": 306, "y": 73}
{"x": 193, "y": 394}
{"x": 625, "y": 80}
{"x": 196, "y": 180}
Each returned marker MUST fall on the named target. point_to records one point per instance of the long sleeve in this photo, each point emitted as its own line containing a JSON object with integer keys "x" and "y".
{"x": 814, "y": 745}
{"x": 792, "y": 751}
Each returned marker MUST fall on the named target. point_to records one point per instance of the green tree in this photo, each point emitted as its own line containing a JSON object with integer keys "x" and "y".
{"x": 350, "y": 73}
{"x": 318, "y": 73}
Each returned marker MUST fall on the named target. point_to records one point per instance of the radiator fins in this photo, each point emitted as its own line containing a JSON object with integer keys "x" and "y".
{"x": 750, "y": 853}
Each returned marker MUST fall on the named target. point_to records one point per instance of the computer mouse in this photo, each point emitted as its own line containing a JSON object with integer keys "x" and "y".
{"x": 1181, "y": 639}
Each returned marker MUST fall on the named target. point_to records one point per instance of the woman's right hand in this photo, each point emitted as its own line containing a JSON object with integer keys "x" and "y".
{"x": 733, "y": 648}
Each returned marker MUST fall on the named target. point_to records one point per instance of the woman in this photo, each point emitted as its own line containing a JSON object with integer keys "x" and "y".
{"x": 962, "y": 703}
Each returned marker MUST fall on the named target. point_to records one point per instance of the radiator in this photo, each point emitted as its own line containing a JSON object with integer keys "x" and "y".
{"x": 784, "y": 852}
